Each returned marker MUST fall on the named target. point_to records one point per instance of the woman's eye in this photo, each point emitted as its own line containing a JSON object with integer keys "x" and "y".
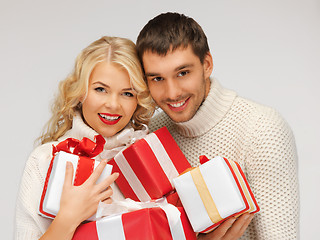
{"x": 183, "y": 73}
{"x": 100, "y": 89}
{"x": 128, "y": 94}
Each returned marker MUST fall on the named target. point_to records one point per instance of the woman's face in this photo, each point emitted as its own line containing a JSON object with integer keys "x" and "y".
{"x": 111, "y": 101}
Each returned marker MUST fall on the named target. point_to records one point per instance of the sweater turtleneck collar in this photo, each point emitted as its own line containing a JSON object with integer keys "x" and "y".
{"x": 212, "y": 110}
{"x": 127, "y": 136}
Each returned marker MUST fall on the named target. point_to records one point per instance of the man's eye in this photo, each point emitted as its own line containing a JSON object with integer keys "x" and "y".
{"x": 183, "y": 73}
{"x": 157, "y": 79}
{"x": 128, "y": 94}
{"x": 100, "y": 89}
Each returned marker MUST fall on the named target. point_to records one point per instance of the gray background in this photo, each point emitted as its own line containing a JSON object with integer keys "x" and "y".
{"x": 267, "y": 51}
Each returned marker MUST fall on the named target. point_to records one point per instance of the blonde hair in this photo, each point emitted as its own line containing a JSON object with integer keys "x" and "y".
{"x": 115, "y": 50}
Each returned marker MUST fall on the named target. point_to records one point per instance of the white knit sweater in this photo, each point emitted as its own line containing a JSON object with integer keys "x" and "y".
{"x": 260, "y": 141}
{"x": 28, "y": 224}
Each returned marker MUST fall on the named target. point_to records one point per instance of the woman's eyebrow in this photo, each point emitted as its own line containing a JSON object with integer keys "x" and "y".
{"x": 107, "y": 86}
{"x": 101, "y": 83}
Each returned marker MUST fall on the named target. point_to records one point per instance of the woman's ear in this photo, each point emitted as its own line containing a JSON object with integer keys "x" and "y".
{"x": 207, "y": 65}
{"x": 81, "y": 99}
{"x": 79, "y": 105}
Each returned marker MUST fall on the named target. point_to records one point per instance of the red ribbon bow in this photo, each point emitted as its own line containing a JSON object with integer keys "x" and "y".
{"x": 84, "y": 147}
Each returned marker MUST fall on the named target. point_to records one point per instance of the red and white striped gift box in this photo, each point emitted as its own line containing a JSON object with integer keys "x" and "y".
{"x": 148, "y": 166}
{"x": 147, "y": 223}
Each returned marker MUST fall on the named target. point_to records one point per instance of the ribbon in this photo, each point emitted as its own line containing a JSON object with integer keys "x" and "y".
{"x": 128, "y": 205}
{"x": 205, "y": 196}
{"x": 84, "y": 147}
{"x": 123, "y": 140}
{"x": 133, "y": 181}
{"x": 83, "y": 170}
{"x": 161, "y": 154}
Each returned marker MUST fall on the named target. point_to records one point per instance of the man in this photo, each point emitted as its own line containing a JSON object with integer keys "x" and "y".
{"x": 207, "y": 119}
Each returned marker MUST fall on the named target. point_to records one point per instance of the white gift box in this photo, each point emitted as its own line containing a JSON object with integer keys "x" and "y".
{"x": 51, "y": 195}
{"x": 214, "y": 191}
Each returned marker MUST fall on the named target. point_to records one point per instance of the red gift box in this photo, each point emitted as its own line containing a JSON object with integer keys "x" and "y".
{"x": 147, "y": 223}
{"x": 147, "y": 167}
{"x": 80, "y": 154}
{"x": 173, "y": 198}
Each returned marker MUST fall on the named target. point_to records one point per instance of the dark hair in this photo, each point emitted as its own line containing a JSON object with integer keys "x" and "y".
{"x": 169, "y": 31}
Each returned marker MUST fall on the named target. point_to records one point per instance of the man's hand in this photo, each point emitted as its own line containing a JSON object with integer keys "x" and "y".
{"x": 230, "y": 229}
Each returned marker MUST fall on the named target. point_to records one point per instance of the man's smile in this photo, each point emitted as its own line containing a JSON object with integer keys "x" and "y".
{"x": 179, "y": 106}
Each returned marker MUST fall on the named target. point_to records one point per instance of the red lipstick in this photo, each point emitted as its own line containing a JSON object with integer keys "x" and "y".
{"x": 109, "y": 119}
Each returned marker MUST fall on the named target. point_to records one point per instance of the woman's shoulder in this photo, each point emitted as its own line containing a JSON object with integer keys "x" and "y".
{"x": 41, "y": 156}
{"x": 43, "y": 150}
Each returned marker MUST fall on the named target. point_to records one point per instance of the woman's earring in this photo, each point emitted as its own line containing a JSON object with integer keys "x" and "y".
{"x": 79, "y": 105}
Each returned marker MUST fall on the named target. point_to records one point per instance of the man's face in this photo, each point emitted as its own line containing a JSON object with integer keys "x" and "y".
{"x": 178, "y": 81}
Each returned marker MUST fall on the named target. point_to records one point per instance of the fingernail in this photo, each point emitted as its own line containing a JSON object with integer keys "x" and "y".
{"x": 68, "y": 165}
{"x": 117, "y": 174}
{"x": 233, "y": 219}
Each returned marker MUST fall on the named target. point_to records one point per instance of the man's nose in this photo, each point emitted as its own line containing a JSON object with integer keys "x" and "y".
{"x": 173, "y": 89}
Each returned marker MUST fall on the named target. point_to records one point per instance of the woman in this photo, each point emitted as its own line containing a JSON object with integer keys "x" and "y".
{"x": 106, "y": 94}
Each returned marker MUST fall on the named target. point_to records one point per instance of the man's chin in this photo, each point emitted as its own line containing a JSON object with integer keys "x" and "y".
{"x": 178, "y": 118}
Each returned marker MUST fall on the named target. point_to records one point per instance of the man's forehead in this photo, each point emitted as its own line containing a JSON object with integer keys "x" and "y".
{"x": 176, "y": 57}
{"x": 163, "y": 53}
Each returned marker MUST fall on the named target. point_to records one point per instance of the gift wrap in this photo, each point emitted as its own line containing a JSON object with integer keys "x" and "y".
{"x": 79, "y": 153}
{"x": 213, "y": 192}
{"x": 147, "y": 223}
{"x": 148, "y": 166}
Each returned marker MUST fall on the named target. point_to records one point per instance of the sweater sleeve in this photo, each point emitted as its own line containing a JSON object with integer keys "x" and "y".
{"x": 28, "y": 224}
{"x": 272, "y": 170}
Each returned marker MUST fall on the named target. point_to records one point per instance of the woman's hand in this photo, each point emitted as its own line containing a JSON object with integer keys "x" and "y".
{"x": 78, "y": 203}
{"x": 230, "y": 229}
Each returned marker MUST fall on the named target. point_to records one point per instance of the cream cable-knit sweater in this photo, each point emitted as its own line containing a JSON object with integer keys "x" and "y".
{"x": 28, "y": 224}
{"x": 260, "y": 141}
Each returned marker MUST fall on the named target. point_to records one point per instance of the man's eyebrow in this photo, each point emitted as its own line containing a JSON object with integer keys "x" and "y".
{"x": 127, "y": 89}
{"x": 151, "y": 74}
{"x": 184, "y": 66}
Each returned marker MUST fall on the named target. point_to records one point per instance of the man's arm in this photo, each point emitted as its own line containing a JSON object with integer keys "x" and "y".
{"x": 272, "y": 172}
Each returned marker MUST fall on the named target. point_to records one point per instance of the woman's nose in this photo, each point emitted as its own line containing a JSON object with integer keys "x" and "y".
{"x": 112, "y": 101}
